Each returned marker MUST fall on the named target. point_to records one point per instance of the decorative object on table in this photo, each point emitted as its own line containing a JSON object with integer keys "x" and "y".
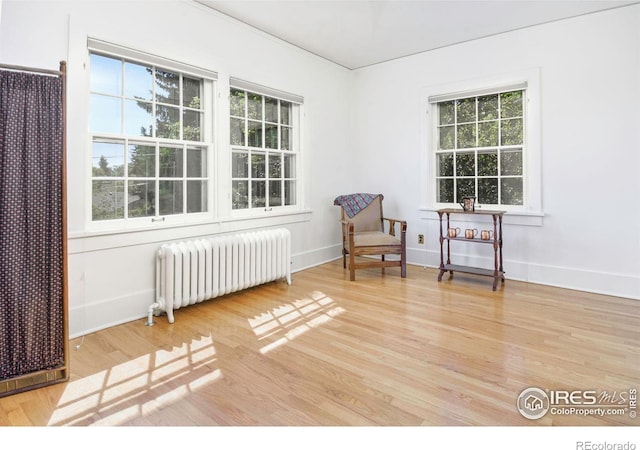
{"x": 468, "y": 203}
{"x": 485, "y": 235}
{"x": 470, "y": 233}
{"x": 453, "y": 232}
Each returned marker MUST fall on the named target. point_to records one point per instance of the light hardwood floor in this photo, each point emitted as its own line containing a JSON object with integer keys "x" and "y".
{"x": 326, "y": 351}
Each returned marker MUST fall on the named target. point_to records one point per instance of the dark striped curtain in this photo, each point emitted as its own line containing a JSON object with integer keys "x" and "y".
{"x": 32, "y": 318}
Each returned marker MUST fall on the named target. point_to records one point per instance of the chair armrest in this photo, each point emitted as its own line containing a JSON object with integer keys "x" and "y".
{"x": 392, "y": 225}
{"x": 347, "y": 224}
{"x": 391, "y": 219}
{"x": 347, "y": 229}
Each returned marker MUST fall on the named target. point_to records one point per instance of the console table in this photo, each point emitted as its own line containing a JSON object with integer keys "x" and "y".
{"x": 496, "y": 241}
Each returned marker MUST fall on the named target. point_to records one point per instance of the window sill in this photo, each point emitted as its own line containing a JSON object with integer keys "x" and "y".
{"x": 525, "y": 218}
{"x": 87, "y": 241}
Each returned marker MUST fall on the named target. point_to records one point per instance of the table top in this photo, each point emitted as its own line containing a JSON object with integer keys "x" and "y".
{"x": 484, "y": 212}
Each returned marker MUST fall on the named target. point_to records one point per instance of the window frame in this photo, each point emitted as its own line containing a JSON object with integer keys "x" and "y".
{"x": 499, "y": 148}
{"x": 296, "y": 104}
{"x": 531, "y": 210}
{"x": 207, "y": 143}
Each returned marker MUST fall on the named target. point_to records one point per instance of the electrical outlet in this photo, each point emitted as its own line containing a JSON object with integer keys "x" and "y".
{"x": 421, "y": 239}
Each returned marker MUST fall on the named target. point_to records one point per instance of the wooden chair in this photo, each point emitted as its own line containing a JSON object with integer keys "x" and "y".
{"x": 363, "y": 234}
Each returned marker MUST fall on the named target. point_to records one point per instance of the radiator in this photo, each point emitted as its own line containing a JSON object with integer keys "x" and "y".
{"x": 190, "y": 272}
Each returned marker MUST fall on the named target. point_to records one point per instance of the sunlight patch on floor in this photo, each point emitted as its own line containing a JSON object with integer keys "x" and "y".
{"x": 151, "y": 382}
{"x": 121, "y": 393}
{"x": 286, "y": 322}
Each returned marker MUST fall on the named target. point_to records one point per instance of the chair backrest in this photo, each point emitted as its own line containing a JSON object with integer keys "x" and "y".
{"x": 368, "y": 219}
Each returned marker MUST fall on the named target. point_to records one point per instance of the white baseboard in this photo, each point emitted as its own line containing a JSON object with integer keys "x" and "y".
{"x": 306, "y": 260}
{"x": 90, "y": 317}
{"x": 614, "y": 284}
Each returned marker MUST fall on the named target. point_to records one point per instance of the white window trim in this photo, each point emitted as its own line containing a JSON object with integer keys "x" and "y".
{"x": 244, "y": 85}
{"x": 531, "y": 212}
{"x": 298, "y": 104}
{"x": 120, "y": 51}
{"x": 210, "y": 95}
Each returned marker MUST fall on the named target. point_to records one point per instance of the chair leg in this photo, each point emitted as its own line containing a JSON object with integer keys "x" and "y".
{"x": 403, "y": 262}
{"x": 352, "y": 267}
{"x": 344, "y": 258}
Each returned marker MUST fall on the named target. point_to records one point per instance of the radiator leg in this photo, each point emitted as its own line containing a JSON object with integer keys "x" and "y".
{"x": 170, "y": 315}
{"x": 150, "y": 321}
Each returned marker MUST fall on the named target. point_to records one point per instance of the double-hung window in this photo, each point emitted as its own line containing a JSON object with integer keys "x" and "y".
{"x": 264, "y": 138}
{"x": 151, "y": 137}
{"x": 480, "y": 147}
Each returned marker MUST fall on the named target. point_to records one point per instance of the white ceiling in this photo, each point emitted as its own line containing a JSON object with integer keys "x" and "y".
{"x": 355, "y": 33}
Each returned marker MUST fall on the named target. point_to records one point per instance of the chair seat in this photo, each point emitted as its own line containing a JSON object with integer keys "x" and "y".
{"x": 373, "y": 239}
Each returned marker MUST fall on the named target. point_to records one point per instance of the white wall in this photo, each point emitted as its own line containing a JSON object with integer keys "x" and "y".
{"x": 589, "y": 69}
{"x": 589, "y": 72}
{"x": 111, "y": 276}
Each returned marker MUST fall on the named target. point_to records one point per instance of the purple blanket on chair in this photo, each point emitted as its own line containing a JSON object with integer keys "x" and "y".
{"x": 354, "y": 203}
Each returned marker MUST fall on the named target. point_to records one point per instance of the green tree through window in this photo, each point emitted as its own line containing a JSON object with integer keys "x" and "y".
{"x": 479, "y": 151}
